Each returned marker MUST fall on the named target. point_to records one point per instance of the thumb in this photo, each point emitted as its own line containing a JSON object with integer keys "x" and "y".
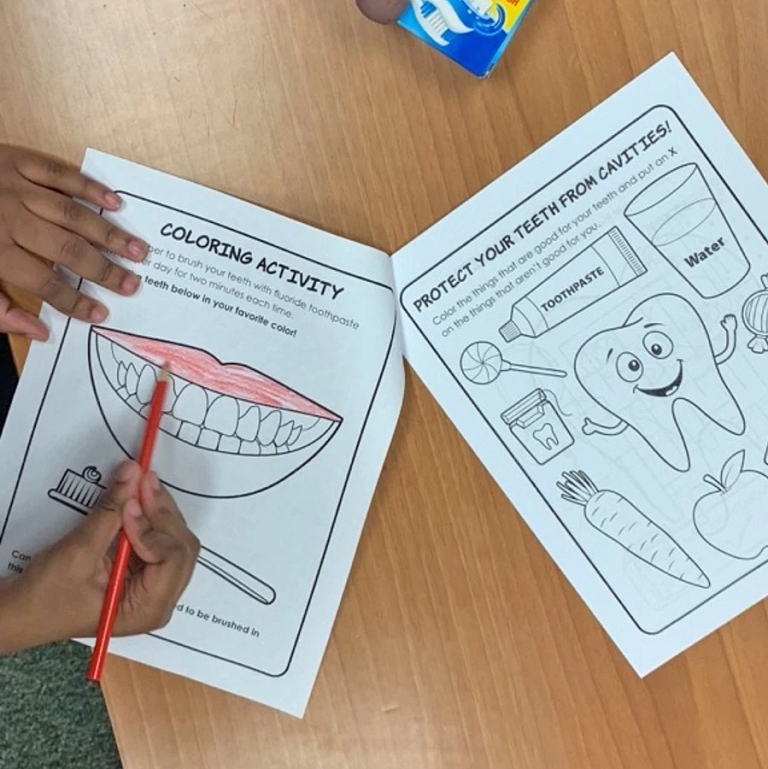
{"x": 104, "y": 522}
{"x": 14, "y": 320}
{"x": 151, "y": 526}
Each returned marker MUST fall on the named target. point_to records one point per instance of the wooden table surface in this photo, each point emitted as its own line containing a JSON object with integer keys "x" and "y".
{"x": 458, "y": 643}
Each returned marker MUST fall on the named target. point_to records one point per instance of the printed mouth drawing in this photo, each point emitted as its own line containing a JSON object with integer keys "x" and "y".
{"x": 618, "y": 519}
{"x": 227, "y": 430}
{"x": 81, "y": 492}
{"x": 642, "y": 371}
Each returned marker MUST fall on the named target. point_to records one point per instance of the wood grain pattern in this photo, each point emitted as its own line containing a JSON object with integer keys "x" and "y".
{"x": 458, "y": 643}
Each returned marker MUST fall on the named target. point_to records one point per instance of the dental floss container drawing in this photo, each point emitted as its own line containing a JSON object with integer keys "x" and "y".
{"x": 537, "y": 424}
{"x": 602, "y": 268}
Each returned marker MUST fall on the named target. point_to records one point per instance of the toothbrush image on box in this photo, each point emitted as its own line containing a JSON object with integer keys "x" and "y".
{"x": 442, "y": 20}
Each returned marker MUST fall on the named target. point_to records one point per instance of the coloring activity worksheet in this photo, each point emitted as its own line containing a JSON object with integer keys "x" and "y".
{"x": 595, "y": 322}
{"x": 286, "y": 384}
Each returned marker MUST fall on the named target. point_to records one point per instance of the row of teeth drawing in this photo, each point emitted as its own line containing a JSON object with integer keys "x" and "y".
{"x": 208, "y": 419}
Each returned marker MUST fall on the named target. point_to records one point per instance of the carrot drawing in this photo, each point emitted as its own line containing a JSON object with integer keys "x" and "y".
{"x": 619, "y": 520}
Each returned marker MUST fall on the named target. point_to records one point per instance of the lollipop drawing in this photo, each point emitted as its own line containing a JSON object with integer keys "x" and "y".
{"x": 227, "y": 430}
{"x": 482, "y": 363}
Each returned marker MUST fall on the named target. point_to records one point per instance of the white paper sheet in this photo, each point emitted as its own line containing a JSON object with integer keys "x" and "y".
{"x": 623, "y": 261}
{"x": 273, "y": 461}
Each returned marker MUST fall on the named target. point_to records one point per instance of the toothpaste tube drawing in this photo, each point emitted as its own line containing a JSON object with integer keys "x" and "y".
{"x": 602, "y": 268}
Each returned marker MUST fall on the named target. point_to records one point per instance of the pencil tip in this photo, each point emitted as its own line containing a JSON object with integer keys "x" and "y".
{"x": 165, "y": 372}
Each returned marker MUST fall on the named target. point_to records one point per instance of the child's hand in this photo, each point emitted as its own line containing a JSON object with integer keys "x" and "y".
{"x": 41, "y": 225}
{"x": 383, "y": 11}
{"x": 60, "y": 594}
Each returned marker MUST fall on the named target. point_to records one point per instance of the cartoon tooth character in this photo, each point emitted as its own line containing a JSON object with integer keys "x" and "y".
{"x": 644, "y": 370}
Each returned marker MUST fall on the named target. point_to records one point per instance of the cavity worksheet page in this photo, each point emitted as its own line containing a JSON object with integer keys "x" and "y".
{"x": 285, "y": 390}
{"x": 595, "y": 323}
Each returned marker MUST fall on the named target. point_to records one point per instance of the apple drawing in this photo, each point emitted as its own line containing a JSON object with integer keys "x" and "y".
{"x": 732, "y": 517}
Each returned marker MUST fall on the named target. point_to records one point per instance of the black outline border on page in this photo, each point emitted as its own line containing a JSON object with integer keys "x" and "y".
{"x": 488, "y": 422}
{"x": 349, "y": 471}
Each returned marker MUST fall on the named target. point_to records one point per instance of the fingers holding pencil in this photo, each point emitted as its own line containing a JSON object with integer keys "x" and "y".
{"x": 116, "y": 588}
{"x": 62, "y": 590}
{"x": 166, "y": 551}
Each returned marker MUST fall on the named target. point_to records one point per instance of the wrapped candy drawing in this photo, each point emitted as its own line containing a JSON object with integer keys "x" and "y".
{"x": 643, "y": 371}
{"x": 755, "y": 317}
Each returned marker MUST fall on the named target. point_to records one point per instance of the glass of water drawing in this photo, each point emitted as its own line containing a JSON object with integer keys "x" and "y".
{"x": 680, "y": 216}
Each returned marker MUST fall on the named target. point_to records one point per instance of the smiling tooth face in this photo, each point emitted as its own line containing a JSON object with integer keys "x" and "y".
{"x": 226, "y": 430}
{"x": 643, "y": 370}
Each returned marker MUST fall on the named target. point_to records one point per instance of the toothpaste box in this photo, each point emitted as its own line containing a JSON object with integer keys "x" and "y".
{"x": 474, "y": 33}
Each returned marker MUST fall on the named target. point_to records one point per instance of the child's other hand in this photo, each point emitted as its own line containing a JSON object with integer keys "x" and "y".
{"x": 61, "y": 592}
{"x": 383, "y": 11}
{"x": 42, "y": 225}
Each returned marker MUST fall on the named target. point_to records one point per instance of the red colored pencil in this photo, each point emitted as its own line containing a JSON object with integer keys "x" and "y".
{"x": 123, "y": 553}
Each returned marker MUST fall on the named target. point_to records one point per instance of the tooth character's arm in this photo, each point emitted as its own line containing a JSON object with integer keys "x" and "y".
{"x": 590, "y": 428}
{"x": 729, "y": 324}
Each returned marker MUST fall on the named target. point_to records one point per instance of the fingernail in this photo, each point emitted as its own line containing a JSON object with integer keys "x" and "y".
{"x": 138, "y": 248}
{"x": 113, "y": 201}
{"x": 98, "y": 314}
{"x": 133, "y": 509}
{"x": 130, "y": 284}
